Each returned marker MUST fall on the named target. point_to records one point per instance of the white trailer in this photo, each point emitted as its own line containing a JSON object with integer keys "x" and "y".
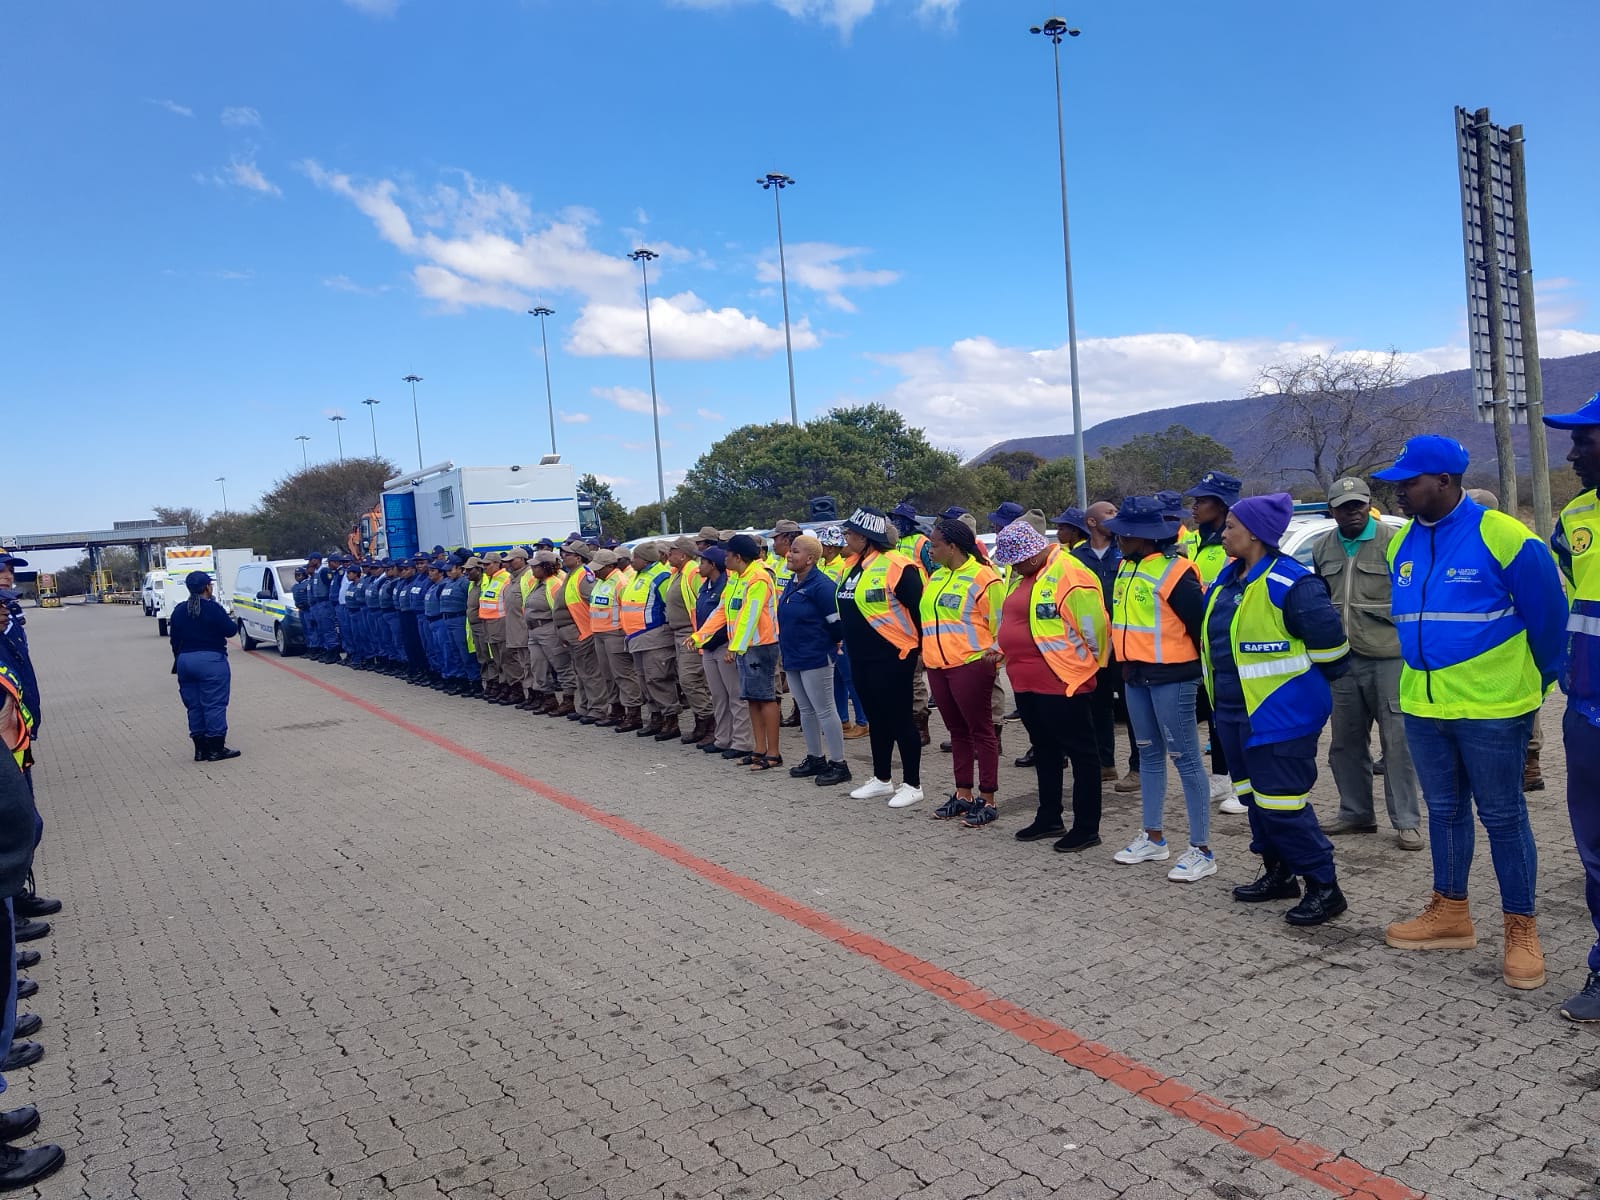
{"x": 227, "y": 571}
{"x": 178, "y": 562}
{"x": 484, "y": 508}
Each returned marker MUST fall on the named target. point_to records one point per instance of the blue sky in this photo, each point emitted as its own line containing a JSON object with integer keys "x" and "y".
{"x": 227, "y": 222}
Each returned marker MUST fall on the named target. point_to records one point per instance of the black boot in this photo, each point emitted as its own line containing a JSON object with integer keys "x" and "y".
{"x": 19, "y": 1122}
{"x": 25, "y": 929}
{"x": 811, "y": 764}
{"x": 1323, "y": 902}
{"x": 218, "y": 750}
{"x": 31, "y": 904}
{"x": 199, "y": 740}
{"x": 1277, "y": 882}
{"x": 23, "y": 1168}
{"x": 23, "y": 1054}
{"x": 834, "y": 774}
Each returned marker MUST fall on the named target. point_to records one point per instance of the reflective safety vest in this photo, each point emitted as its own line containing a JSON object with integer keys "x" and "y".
{"x": 778, "y": 565}
{"x": 16, "y": 731}
{"x": 1188, "y": 541}
{"x": 834, "y": 568}
{"x": 689, "y": 581}
{"x": 748, "y": 611}
{"x": 605, "y": 611}
{"x": 1577, "y": 535}
{"x": 491, "y": 601}
{"x": 880, "y": 607}
{"x": 960, "y": 614}
{"x": 1208, "y": 559}
{"x": 576, "y": 604}
{"x": 634, "y": 599}
{"x": 912, "y": 546}
{"x": 1067, "y": 619}
{"x": 1464, "y": 646}
{"x": 1143, "y": 626}
{"x": 1283, "y": 690}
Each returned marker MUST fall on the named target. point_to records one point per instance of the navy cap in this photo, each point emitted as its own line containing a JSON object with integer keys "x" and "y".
{"x": 317, "y": 554}
{"x": 437, "y": 550}
{"x": 953, "y": 513}
{"x": 1006, "y": 513}
{"x": 11, "y": 560}
{"x": 1430, "y": 454}
{"x": 1589, "y": 414}
{"x": 1075, "y": 518}
{"x": 196, "y": 582}
{"x": 1172, "y": 502}
{"x": 904, "y": 509}
{"x": 1219, "y": 486}
{"x": 715, "y": 554}
{"x": 1143, "y": 517}
{"x": 299, "y": 572}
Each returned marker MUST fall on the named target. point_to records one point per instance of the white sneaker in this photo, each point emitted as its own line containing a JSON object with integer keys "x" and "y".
{"x": 1142, "y": 849}
{"x": 1232, "y": 804}
{"x": 906, "y": 796}
{"x": 1193, "y": 866}
{"x": 1221, "y": 785}
{"x": 873, "y": 789}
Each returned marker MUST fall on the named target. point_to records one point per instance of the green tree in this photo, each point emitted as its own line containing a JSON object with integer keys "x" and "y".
{"x": 1017, "y": 464}
{"x": 607, "y": 507}
{"x": 314, "y": 509}
{"x": 1054, "y": 486}
{"x": 1153, "y": 462}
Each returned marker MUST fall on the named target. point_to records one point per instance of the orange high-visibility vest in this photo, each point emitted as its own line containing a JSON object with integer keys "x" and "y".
{"x": 605, "y": 609}
{"x": 880, "y": 607}
{"x": 491, "y": 603}
{"x": 577, "y": 605}
{"x": 960, "y": 614}
{"x": 1143, "y": 626}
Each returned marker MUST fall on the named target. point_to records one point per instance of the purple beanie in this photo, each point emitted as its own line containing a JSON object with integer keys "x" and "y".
{"x": 1265, "y": 516}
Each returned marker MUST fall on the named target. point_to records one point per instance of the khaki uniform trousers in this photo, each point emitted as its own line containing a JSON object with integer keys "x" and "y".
{"x": 617, "y": 663}
{"x": 732, "y": 715}
{"x": 513, "y": 662}
{"x": 593, "y": 696}
{"x": 549, "y": 663}
{"x": 656, "y": 665}
{"x": 692, "y": 675}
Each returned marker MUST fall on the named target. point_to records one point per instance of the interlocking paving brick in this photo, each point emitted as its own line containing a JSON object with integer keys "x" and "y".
{"x": 355, "y": 963}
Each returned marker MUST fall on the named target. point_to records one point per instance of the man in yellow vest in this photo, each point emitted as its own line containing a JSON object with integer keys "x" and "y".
{"x": 682, "y": 592}
{"x": 649, "y": 640}
{"x": 492, "y": 611}
{"x": 1576, "y": 535}
{"x": 1478, "y": 602}
{"x": 611, "y": 645}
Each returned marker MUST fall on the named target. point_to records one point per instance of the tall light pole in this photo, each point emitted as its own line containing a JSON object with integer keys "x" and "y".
{"x": 416, "y": 421}
{"x": 644, "y": 257}
{"x": 338, "y": 432}
{"x": 223, "y": 480}
{"x": 305, "y": 464}
{"x": 372, "y": 411}
{"x": 1055, "y": 29}
{"x": 775, "y": 183}
{"x": 542, "y": 312}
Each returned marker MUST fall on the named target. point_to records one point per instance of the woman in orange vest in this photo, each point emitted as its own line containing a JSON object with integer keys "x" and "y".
{"x": 879, "y": 599}
{"x": 960, "y": 615}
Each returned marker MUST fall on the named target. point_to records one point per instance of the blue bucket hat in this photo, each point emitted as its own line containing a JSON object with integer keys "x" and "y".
{"x": 1075, "y": 518}
{"x": 1589, "y": 414}
{"x": 1172, "y": 502}
{"x": 1429, "y": 454}
{"x": 1143, "y": 517}
{"x": 1006, "y": 513}
{"x": 1218, "y": 485}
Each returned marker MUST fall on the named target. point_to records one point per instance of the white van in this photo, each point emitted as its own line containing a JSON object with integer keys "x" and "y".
{"x": 150, "y": 592}
{"x": 263, "y": 605}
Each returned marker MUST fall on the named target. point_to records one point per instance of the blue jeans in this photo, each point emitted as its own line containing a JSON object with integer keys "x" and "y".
{"x": 1465, "y": 760}
{"x": 1582, "y": 741}
{"x": 844, "y": 689}
{"x": 1165, "y": 713}
{"x": 203, "y": 684}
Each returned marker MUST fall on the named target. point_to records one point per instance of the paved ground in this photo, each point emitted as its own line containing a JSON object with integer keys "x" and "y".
{"x": 488, "y": 955}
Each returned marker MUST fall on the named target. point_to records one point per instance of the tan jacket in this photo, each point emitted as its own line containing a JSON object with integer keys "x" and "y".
{"x": 1360, "y": 587}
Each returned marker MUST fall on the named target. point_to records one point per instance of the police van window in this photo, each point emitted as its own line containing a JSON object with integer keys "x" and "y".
{"x": 447, "y": 502}
{"x": 285, "y": 580}
{"x": 266, "y": 581}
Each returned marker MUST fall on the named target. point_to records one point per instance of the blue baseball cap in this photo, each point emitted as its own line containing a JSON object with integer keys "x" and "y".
{"x": 1589, "y": 414}
{"x": 11, "y": 560}
{"x": 1430, "y": 454}
{"x": 1006, "y": 513}
{"x": 1219, "y": 486}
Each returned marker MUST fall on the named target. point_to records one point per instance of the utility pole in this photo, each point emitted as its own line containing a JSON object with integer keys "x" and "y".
{"x": 338, "y": 432}
{"x": 541, "y": 311}
{"x": 776, "y": 183}
{"x": 223, "y": 480}
{"x": 305, "y": 464}
{"x": 1532, "y": 378}
{"x": 416, "y": 421}
{"x": 643, "y": 257}
{"x": 372, "y": 411}
{"x": 1490, "y": 265}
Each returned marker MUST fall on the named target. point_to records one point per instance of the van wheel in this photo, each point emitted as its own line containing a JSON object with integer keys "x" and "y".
{"x": 246, "y": 642}
{"x": 281, "y": 636}
{"x": 161, "y": 627}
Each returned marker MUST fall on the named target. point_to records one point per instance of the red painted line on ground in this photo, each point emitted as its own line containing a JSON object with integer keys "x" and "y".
{"x": 1338, "y": 1174}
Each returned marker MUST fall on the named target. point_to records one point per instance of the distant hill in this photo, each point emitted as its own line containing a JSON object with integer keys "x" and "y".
{"x": 1568, "y": 382}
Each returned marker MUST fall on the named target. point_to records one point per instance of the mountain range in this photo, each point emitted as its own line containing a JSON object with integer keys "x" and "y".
{"x": 1237, "y": 424}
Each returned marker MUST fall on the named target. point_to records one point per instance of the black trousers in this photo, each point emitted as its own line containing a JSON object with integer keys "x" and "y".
{"x": 1062, "y": 730}
{"x": 1108, "y": 704}
{"x": 885, "y": 690}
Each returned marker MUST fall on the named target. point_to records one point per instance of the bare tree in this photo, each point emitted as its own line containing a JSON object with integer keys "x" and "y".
{"x": 1336, "y": 415}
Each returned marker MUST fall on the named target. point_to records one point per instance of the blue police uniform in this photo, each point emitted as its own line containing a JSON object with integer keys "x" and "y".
{"x": 389, "y": 618}
{"x": 322, "y": 585}
{"x": 311, "y": 616}
{"x": 462, "y": 663}
{"x": 349, "y": 589}
{"x": 301, "y": 594}
{"x": 432, "y": 629}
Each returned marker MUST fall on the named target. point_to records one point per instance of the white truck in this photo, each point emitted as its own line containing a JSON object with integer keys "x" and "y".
{"x": 483, "y": 508}
{"x": 222, "y": 565}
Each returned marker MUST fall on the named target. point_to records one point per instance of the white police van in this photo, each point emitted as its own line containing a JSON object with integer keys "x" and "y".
{"x": 263, "y": 605}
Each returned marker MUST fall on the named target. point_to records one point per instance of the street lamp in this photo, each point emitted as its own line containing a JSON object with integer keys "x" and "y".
{"x": 372, "y": 411}
{"x": 223, "y": 480}
{"x": 775, "y": 183}
{"x": 338, "y": 420}
{"x": 416, "y": 422}
{"x": 304, "y": 464}
{"x": 1055, "y": 29}
{"x": 644, "y": 257}
{"x": 542, "y": 312}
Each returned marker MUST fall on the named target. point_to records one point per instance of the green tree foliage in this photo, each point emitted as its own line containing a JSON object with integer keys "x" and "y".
{"x": 1152, "y": 462}
{"x": 315, "y": 508}
{"x": 1017, "y": 464}
{"x": 609, "y": 509}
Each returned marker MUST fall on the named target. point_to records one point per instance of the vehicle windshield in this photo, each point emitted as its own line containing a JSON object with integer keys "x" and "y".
{"x": 588, "y": 516}
{"x": 285, "y": 580}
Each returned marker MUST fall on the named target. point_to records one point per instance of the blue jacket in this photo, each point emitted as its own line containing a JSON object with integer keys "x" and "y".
{"x": 453, "y": 596}
{"x": 321, "y": 585}
{"x": 706, "y": 603}
{"x": 430, "y": 599}
{"x": 14, "y": 654}
{"x": 208, "y": 631}
{"x": 808, "y": 622}
{"x": 385, "y": 593}
{"x": 301, "y": 593}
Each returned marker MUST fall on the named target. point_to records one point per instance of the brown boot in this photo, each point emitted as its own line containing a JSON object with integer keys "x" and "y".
{"x": 1443, "y": 925}
{"x": 612, "y": 718}
{"x": 671, "y": 728}
{"x": 792, "y": 721}
{"x": 566, "y": 708}
{"x": 1523, "y": 965}
{"x": 552, "y": 704}
{"x": 1532, "y": 777}
{"x": 701, "y": 728}
{"x": 851, "y": 732}
{"x": 631, "y": 721}
{"x": 922, "y": 728}
{"x": 653, "y": 726}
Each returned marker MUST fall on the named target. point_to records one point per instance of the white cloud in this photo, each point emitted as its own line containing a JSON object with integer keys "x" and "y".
{"x": 1557, "y": 301}
{"x": 705, "y": 414}
{"x": 683, "y": 327}
{"x": 573, "y": 418}
{"x": 343, "y": 283}
{"x": 978, "y": 392}
{"x": 241, "y": 118}
{"x": 375, "y": 8}
{"x": 241, "y": 172}
{"x": 172, "y": 106}
{"x": 230, "y": 274}
{"x": 628, "y": 399}
{"x": 842, "y": 14}
{"x": 822, "y": 268}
